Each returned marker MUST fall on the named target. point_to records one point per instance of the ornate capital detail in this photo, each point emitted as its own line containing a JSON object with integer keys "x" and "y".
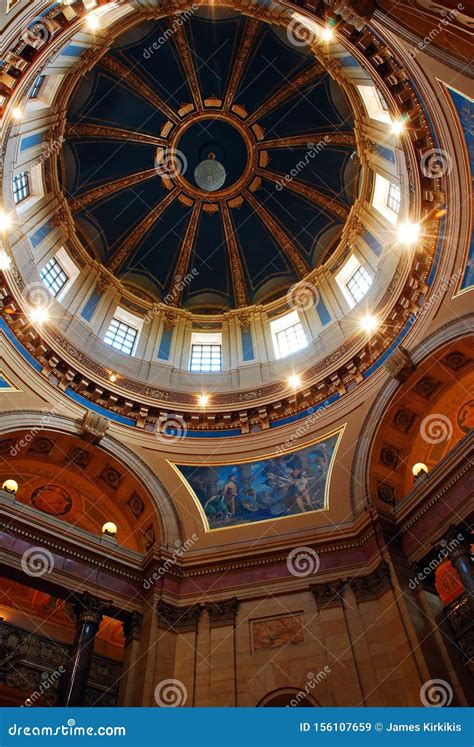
{"x": 244, "y": 321}
{"x": 456, "y": 544}
{"x": 94, "y": 427}
{"x": 328, "y": 595}
{"x": 357, "y": 13}
{"x": 223, "y": 613}
{"x": 178, "y": 619}
{"x": 132, "y": 627}
{"x": 399, "y": 365}
{"x": 372, "y": 586}
{"x": 169, "y": 320}
{"x": 88, "y": 608}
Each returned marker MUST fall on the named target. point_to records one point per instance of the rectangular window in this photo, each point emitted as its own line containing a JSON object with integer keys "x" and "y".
{"x": 290, "y": 339}
{"x": 35, "y": 89}
{"x": 359, "y": 284}
{"x": 21, "y": 187}
{"x": 394, "y": 198}
{"x": 206, "y": 358}
{"x": 121, "y": 336}
{"x": 54, "y": 277}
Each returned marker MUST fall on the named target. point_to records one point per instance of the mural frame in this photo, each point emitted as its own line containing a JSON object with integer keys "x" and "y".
{"x": 267, "y": 455}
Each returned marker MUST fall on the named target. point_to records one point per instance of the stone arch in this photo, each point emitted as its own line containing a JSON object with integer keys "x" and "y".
{"x": 288, "y": 696}
{"x": 433, "y": 347}
{"x": 169, "y": 522}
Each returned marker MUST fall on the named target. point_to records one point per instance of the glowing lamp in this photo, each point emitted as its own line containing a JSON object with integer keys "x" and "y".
{"x": 368, "y": 323}
{"x": 5, "y": 260}
{"x": 10, "y": 486}
{"x": 109, "y": 529}
{"x": 408, "y": 233}
{"x": 203, "y": 400}
{"x": 39, "y": 315}
{"x": 419, "y": 468}
{"x": 294, "y": 381}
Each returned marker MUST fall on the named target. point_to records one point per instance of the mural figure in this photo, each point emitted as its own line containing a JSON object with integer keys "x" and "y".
{"x": 284, "y": 485}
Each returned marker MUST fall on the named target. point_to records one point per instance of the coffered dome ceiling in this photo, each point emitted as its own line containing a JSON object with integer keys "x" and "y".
{"x": 187, "y": 150}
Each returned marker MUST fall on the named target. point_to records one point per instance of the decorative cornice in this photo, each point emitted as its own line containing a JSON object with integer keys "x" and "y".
{"x": 329, "y": 594}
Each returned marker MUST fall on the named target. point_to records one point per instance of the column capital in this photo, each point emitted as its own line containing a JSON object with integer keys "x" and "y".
{"x": 329, "y": 594}
{"x": 132, "y": 627}
{"x": 178, "y": 619}
{"x": 88, "y": 608}
{"x": 456, "y": 543}
{"x": 223, "y": 612}
{"x": 372, "y": 585}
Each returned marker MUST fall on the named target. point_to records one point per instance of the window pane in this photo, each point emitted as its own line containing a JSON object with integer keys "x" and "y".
{"x": 359, "y": 284}
{"x": 206, "y": 358}
{"x": 291, "y": 339}
{"x": 21, "y": 187}
{"x": 121, "y": 336}
{"x": 53, "y": 276}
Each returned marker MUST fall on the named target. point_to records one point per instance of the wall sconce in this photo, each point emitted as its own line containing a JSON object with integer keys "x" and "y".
{"x": 10, "y": 486}
{"x": 109, "y": 529}
{"x": 419, "y": 470}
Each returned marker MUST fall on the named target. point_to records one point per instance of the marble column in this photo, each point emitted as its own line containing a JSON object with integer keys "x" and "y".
{"x": 89, "y": 611}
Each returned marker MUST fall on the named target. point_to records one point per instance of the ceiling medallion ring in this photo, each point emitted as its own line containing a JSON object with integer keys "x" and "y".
{"x": 250, "y": 143}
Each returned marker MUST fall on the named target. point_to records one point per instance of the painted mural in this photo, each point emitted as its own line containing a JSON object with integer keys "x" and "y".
{"x": 271, "y": 488}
